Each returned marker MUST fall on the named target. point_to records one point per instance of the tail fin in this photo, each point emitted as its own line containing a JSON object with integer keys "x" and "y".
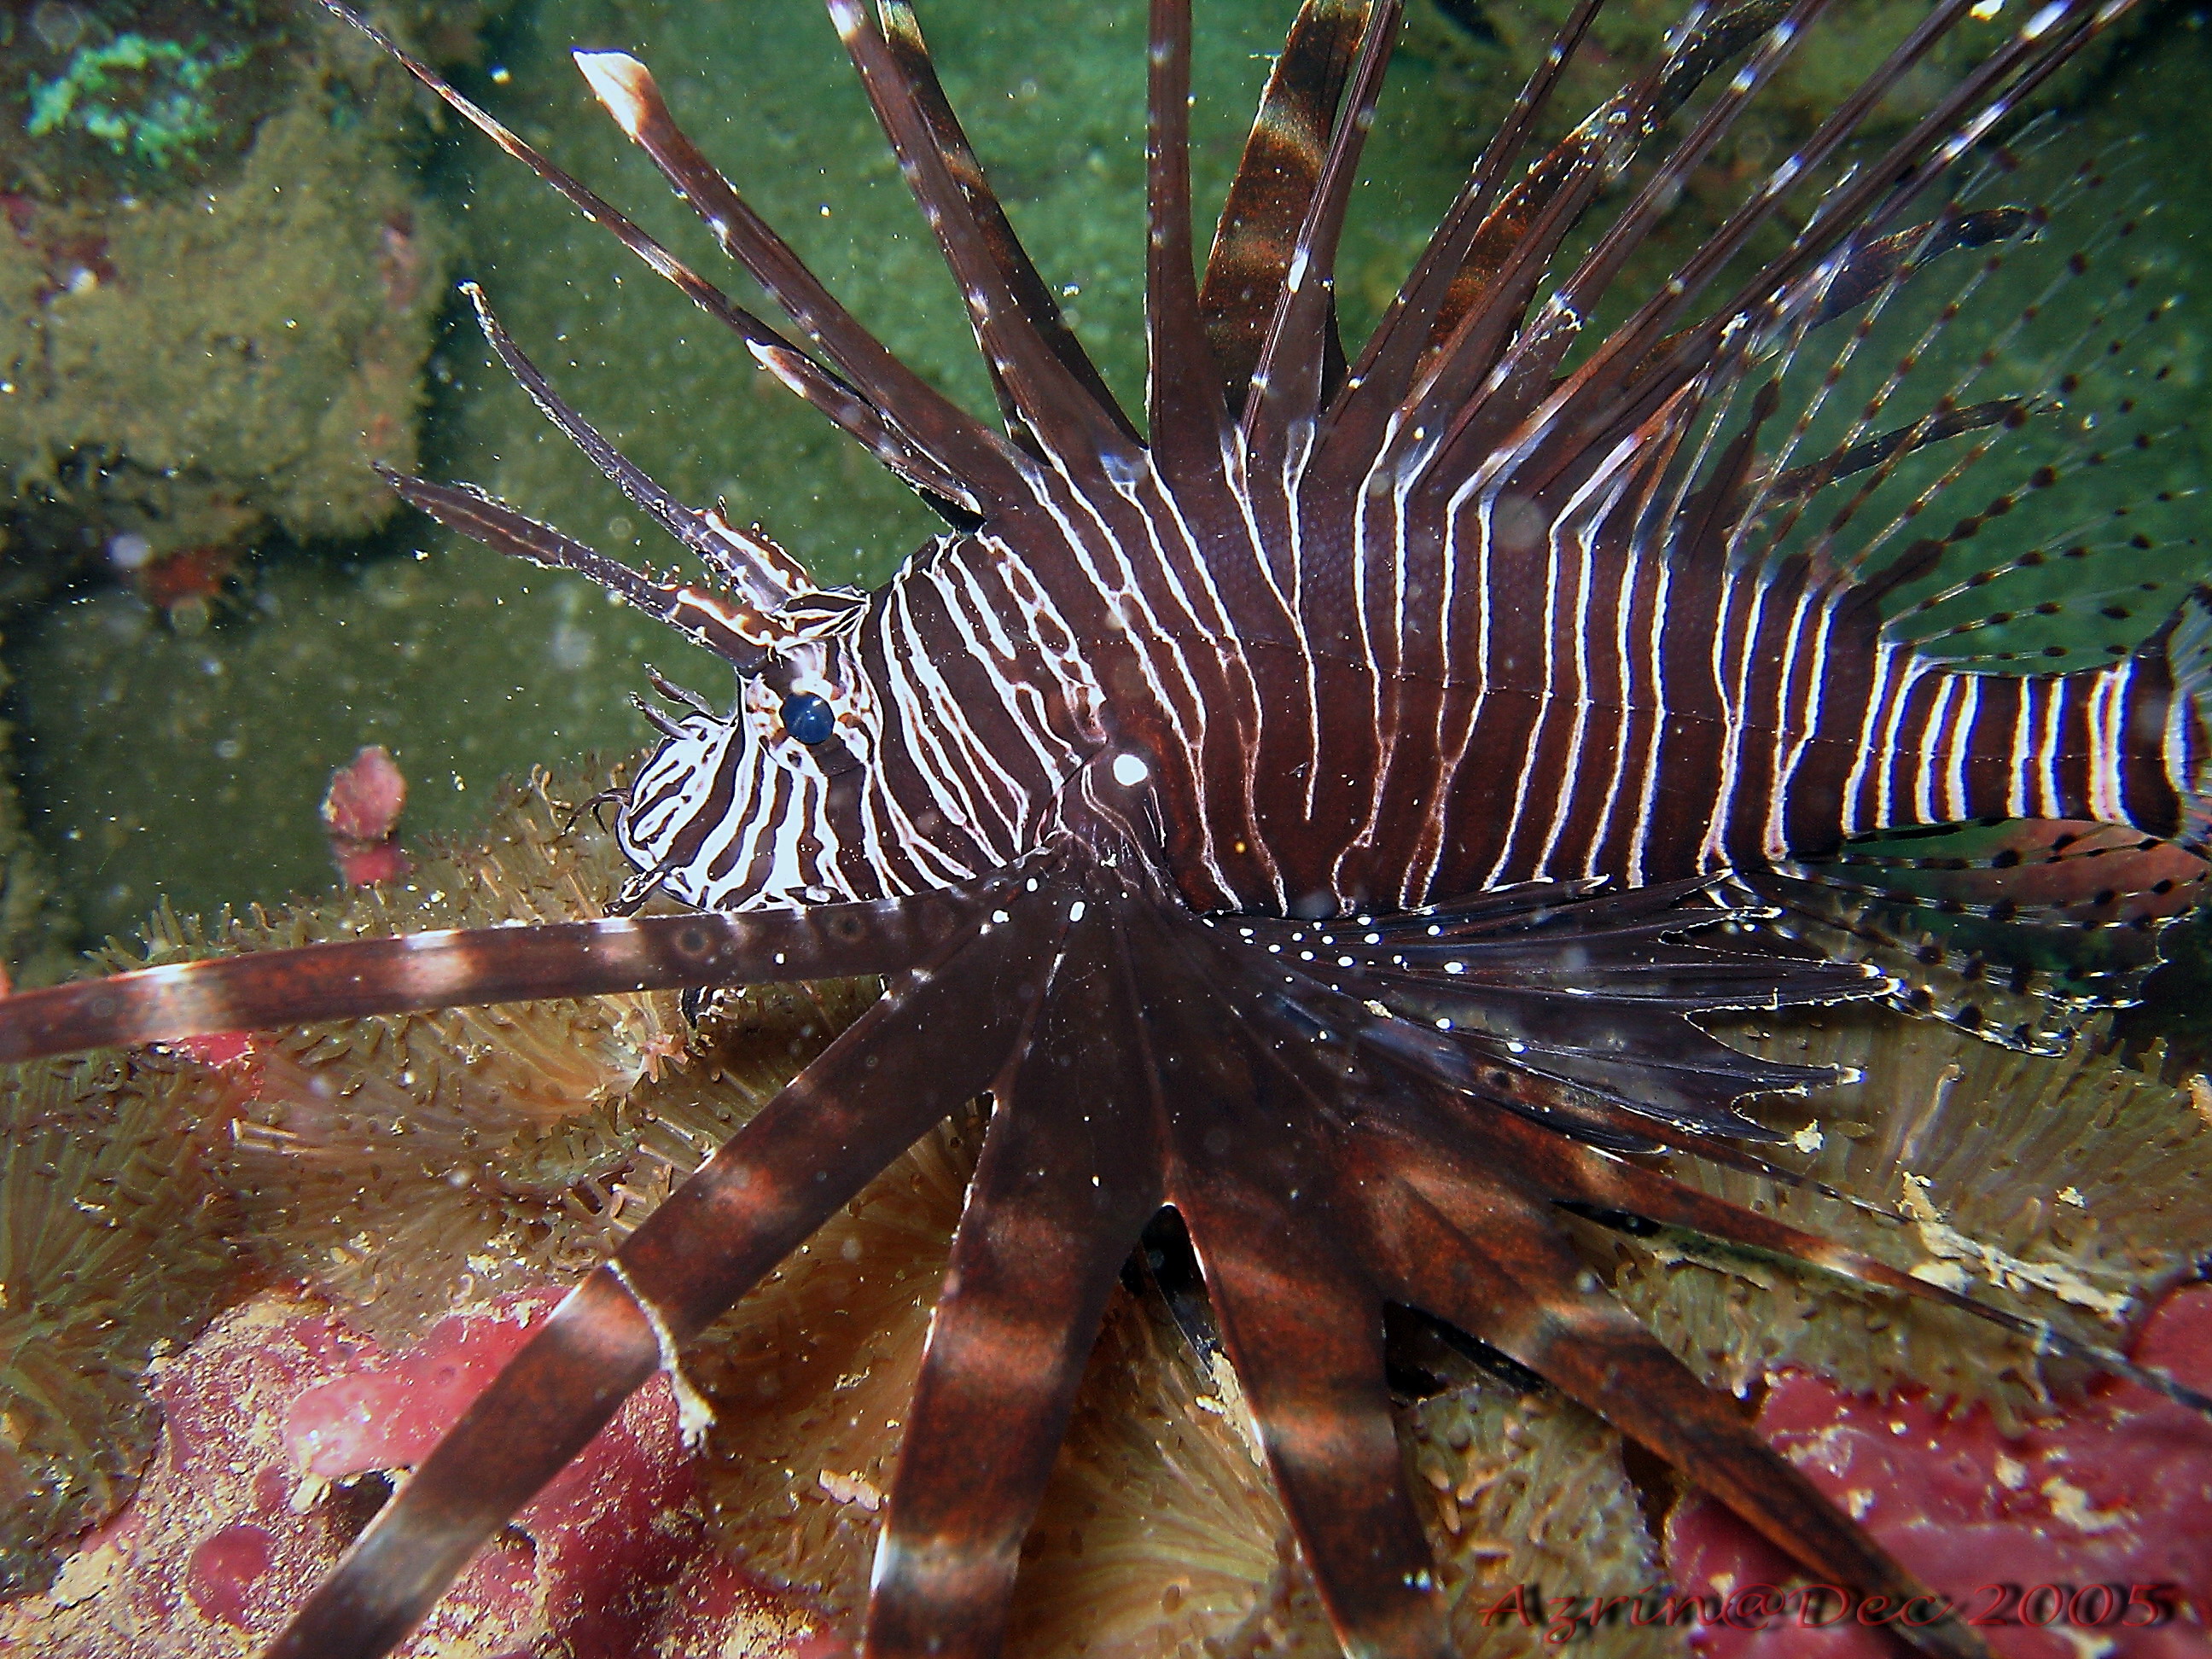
{"x": 2013, "y": 925}
{"x": 2186, "y": 642}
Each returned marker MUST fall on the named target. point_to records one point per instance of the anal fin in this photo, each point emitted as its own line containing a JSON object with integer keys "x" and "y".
{"x": 2010, "y": 930}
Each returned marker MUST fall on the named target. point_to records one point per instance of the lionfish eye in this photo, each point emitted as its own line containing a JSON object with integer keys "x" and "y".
{"x": 808, "y": 718}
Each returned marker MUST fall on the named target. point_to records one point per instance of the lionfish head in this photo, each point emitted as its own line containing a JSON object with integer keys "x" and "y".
{"x": 732, "y": 810}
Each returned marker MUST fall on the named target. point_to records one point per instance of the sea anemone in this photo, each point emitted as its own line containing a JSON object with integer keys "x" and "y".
{"x": 117, "y": 1238}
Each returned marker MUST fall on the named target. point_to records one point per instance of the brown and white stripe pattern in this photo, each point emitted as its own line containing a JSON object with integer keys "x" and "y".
{"x": 1493, "y": 709}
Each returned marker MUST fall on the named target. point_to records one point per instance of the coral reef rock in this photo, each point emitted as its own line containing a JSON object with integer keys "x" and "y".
{"x": 190, "y": 352}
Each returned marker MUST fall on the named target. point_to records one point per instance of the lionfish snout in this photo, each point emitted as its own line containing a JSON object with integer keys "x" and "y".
{"x": 660, "y": 824}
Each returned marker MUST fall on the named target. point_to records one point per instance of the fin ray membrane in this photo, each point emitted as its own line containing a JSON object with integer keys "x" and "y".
{"x": 1577, "y": 1008}
{"x": 1968, "y": 361}
{"x": 2013, "y": 931}
{"x": 1997, "y": 328}
{"x": 1049, "y": 1219}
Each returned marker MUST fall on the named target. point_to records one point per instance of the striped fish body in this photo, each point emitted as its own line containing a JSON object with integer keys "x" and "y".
{"x": 1496, "y": 695}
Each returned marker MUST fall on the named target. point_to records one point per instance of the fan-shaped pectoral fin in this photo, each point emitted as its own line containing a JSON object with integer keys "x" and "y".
{"x": 931, "y": 1043}
{"x": 734, "y": 632}
{"x": 1070, "y": 1173}
{"x": 1489, "y": 1258}
{"x": 1302, "y": 1326}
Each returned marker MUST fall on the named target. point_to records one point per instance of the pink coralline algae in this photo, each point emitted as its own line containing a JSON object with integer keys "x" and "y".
{"x": 285, "y": 1430}
{"x": 361, "y": 814}
{"x": 2019, "y": 1530}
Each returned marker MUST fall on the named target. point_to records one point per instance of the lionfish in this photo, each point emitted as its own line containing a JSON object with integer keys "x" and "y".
{"x": 1313, "y": 819}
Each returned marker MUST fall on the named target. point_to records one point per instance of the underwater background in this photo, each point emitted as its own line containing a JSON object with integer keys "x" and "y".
{"x": 226, "y": 280}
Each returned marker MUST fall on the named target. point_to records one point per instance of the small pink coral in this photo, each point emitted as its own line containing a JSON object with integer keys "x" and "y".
{"x": 365, "y": 797}
{"x": 360, "y": 811}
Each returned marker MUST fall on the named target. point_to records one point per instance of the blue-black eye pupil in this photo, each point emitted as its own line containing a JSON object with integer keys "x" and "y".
{"x": 808, "y": 718}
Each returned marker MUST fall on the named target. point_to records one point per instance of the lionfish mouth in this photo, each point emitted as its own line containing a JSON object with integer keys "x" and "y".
{"x": 1186, "y": 999}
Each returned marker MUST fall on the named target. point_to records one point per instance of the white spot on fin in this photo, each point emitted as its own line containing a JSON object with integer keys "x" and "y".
{"x": 694, "y": 1416}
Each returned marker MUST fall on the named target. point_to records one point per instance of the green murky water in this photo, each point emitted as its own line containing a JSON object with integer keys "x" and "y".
{"x": 189, "y": 764}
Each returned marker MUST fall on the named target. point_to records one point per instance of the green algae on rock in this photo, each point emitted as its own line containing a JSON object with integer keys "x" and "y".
{"x": 141, "y": 98}
{"x": 235, "y": 351}
{"x": 192, "y": 354}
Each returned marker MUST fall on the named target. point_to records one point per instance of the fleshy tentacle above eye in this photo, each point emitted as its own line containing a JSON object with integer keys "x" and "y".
{"x": 740, "y": 635}
{"x": 761, "y": 571}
